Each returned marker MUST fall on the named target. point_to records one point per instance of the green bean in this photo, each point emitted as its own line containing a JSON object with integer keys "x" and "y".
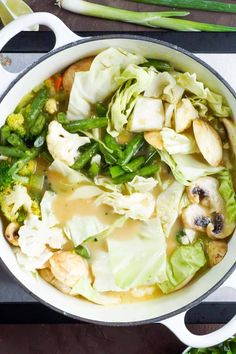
{"x": 93, "y": 170}
{"x": 16, "y": 141}
{"x": 116, "y": 171}
{"x": 101, "y": 110}
{"x": 39, "y": 125}
{"x": 36, "y": 106}
{"x": 144, "y": 172}
{"x": 132, "y": 148}
{"x": 61, "y": 118}
{"x": 109, "y": 158}
{"x": 86, "y": 124}
{"x": 24, "y": 102}
{"x": 85, "y": 157}
{"x": 4, "y": 134}
{"x": 152, "y": 154}
{"x": 160, "y": 65}
{"x": 47, "y": 156}
{"x": 28, "y": 155}
{"x": 11, "y": 151}
{"x": 134, "y": 164}
{"x": 113, "y": 145}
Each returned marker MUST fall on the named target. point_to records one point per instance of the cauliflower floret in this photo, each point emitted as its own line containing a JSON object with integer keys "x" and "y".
{"x": 35, "y": 236}
{"x": 15, "y": 122}
{"x": 51, "y": 106}
{"x": 13, "y": 200}
{"x": 35, "y": 240}
{"x": 63, "y": 146}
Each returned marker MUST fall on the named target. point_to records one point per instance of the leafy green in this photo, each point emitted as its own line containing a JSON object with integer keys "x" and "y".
{"x": 169, "y": 160}
{"x": 140, "y": 258}
{"x": 184, "y": 262}
{"x": 227, "y": 192}
{"x": 82, "y": 251}
{"x": 227, "y": 347}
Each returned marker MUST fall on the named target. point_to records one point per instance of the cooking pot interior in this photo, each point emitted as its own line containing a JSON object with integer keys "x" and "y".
{"x": 163, "y": 306}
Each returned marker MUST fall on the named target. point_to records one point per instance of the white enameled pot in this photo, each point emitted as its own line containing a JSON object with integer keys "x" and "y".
{"x": 169, "y": 310}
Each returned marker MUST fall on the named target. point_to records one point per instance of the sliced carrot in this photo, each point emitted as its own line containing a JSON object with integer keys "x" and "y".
{"x": 58, "y": 83}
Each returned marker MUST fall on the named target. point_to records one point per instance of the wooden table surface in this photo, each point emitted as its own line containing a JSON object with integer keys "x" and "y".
{"x": 84, "y": 23}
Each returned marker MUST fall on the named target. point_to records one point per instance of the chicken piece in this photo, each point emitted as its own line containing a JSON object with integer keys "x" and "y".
{"x": 69, "y": 75}
{"x": 47, "y": 275}
{"x": 68, "y": 267}
{"x": 216, "y": 251}
{"x": 154, "y": 138}
{"x": 208, "y": 141}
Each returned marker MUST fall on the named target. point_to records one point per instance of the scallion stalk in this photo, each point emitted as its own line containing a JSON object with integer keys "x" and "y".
{"x": 162, "y": 19}
{"x": 205, "y": 5}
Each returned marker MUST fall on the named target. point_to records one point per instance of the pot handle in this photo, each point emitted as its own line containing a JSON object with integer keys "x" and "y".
{"x": 62, "y": 33}
{"x": 177, "y": 325}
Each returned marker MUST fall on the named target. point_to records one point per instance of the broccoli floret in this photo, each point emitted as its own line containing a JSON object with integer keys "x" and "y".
{"x": 15, "y": 122}
{"x": 35, "y": 207}
{"x": 16, "y": 203}
{"x": 28, "y": 169}
{"x": 5, "y": 177}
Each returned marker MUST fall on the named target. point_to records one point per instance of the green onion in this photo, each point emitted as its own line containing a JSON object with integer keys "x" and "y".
{"x": 196, "y": 5}
{"x": 162, "y": 19}
{"x": 82, "y": 251}
{"x": 160, "y": 65}
{"x": 101, "y": 110}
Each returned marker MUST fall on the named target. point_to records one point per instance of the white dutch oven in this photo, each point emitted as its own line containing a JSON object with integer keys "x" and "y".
{"x": 169, "y": 310}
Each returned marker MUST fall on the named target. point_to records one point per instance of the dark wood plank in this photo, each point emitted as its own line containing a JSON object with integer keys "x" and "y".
{"x": 90, "y": 339}
{"x": 82, "y": 23}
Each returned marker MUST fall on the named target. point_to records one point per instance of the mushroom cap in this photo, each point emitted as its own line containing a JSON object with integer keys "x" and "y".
{"x": 11, "y": 233}
{"x": 208, "y": 141}
{"x": 218, "y": 228}
{"x": 196, "y": 217}
{"x": 205, "y": 191}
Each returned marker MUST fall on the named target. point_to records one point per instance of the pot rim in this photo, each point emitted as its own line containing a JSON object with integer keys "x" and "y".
{"x": 138, "y": 38}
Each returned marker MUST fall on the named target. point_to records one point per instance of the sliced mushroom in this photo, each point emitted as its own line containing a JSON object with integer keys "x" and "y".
{"x": 47, "y": 275}
{"x": 216, "y": 251}
{"x": 208, "y": 141}
{"x": 205, "y": 191}
{"x": 196, "y": 217}
{"x": 11, "y": 233}
{"x": 69, "y": 75}
{"x": 218, "y": 228}
{"x": 68, "y": 267}
{"x": 231, "y": 131}
{"x": 154, "y": 138}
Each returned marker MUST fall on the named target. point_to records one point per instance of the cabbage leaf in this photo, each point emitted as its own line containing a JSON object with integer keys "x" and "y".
{"x": 105, "y": 68}
{"x": 85, "y": 289}
{"x": 139, "y": 259}
{"x": 168, "y": 206}
{"x": 227, "y": 192}
{"x": 175, "y": 143}
{"x": 183, "y": 264}
{"x": 215, "y": 101}
{"x": 133, "y": 81}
